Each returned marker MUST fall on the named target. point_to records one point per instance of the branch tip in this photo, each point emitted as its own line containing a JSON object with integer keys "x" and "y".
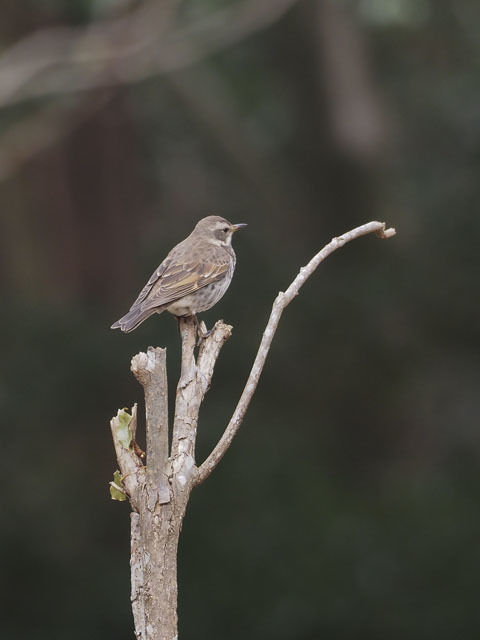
{"x": 383, "y": 233}
{"x": 281, "y": 301}
{"x": 389, "y": 233}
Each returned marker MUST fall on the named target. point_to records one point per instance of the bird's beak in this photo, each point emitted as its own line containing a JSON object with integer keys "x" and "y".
{"x": 236, "y": 227}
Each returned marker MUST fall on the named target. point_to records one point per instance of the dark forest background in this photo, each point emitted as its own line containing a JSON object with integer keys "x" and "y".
{"x": 347, "y": 506}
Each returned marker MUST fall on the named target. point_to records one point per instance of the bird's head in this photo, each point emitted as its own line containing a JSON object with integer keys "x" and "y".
{"x": 218, "y": 230}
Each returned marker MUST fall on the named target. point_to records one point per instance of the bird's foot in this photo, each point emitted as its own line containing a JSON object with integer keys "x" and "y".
{"x": 202, "y": 333}
{"x": 201, "y": 328}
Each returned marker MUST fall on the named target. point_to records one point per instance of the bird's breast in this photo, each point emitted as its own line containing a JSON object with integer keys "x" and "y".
{"x": 200, "y": 300}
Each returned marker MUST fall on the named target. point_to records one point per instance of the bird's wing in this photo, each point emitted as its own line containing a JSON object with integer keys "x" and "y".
{"x": 148, "y": 287}
{"x": 173, "y": 280}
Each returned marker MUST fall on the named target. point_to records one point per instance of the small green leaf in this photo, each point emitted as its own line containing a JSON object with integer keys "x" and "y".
{"x": 116, "y": 487}
{"x": 124, "y": 433}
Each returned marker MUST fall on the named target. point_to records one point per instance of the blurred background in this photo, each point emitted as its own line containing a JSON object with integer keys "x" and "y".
{"x": 347, "y": 506}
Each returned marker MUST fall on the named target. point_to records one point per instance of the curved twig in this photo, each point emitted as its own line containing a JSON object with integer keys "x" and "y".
{"x": 282, "y": 300}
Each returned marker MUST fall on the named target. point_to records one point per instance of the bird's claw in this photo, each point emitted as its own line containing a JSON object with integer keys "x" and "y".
{"x": 202, "y": 333}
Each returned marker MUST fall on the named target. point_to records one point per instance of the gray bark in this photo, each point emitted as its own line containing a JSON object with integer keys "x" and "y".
{"x": 155, "y": 527}
{"x": 159, "y": 491}
{"x": 154, "y": 543}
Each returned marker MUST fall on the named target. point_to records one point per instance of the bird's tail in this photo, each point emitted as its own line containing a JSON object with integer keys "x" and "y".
{"x": 132, "y": 319}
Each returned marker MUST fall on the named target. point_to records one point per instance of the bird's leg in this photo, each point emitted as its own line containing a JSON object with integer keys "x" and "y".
{"x": 204, "y": 332}
{"x": 201, "y": 333}
{"x": 178, "y": 323}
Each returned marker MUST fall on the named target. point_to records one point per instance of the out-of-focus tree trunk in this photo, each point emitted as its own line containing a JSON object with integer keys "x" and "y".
{"x": 343, "y": 126}
{"x": 86, "y": 190}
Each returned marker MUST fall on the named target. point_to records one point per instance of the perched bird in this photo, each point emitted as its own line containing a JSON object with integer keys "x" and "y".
{"x": 192, "y": 278}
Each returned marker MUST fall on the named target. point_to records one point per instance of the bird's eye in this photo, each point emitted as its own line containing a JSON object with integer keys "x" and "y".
{"x": 225, "y": 229}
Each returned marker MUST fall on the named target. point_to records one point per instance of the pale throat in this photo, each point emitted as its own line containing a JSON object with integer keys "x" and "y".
{"x": 222, "y": 243}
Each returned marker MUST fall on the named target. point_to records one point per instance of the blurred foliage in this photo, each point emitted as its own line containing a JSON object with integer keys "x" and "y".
{"x": 346, "y": 507}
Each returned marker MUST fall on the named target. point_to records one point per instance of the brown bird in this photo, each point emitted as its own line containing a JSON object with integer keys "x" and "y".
{"x": 192, "y": 278}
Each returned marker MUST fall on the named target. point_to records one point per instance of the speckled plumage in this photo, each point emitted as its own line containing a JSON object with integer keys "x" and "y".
{"x": 192, "y": 278}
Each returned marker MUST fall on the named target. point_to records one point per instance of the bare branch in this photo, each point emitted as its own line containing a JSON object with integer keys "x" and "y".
{"x": 209, "y": 352}
{"x": 150, "y": 369}
{"x": 101, "y": 42}
{"x": 125, "y": 50}
{"x": 194, "y": 383}
{"x": 281, "y": 301}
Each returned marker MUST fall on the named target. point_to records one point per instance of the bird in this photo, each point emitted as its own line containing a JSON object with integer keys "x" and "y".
{"x": 192, "y": 278}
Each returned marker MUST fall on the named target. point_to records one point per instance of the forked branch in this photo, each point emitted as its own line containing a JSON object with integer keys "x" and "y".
{"x": 159, "y": 492}
{"x": 282, "y": 300}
